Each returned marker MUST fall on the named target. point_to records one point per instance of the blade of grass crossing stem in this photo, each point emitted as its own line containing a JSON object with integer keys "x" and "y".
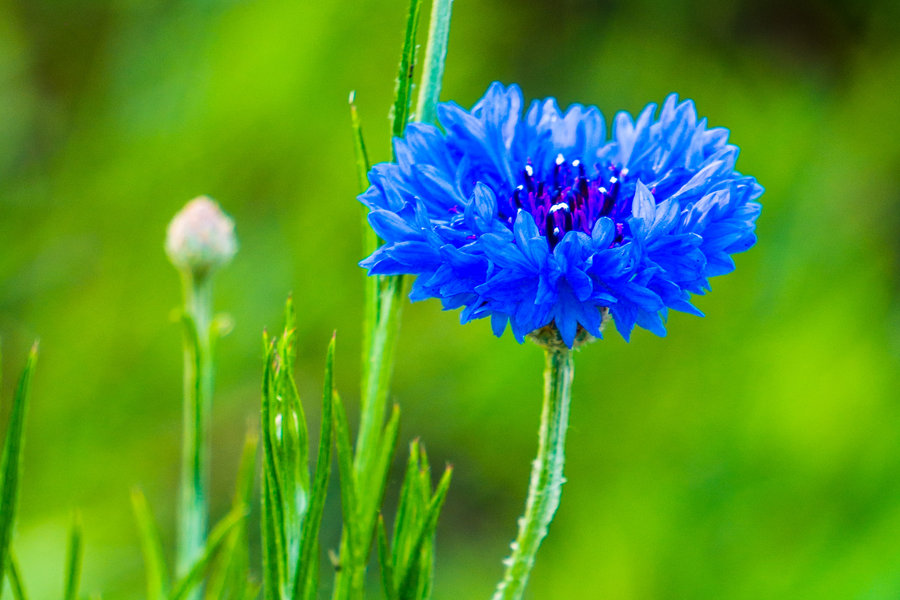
{"x": 11, "y": 462}
{"x": 215, "y": 541}
{"x": 304, "y": 585}
{"x": 229, "y": 578}
{"x": 403, "y": 86}
{"x": 14, "y": 576}
{"x": 435, "y": 57}
{"x": 151, "y": 547}
{"x": 73, "y": 559}
{"x": 272, "y": 520}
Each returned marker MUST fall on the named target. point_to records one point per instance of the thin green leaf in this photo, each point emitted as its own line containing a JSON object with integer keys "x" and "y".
{"x": 308, "y": 562}
{"x": 14, "y": 576}
{"x": 272, "y": 519}
{"x": 403, "y": 86}
{"x": 292, "y": 448}
{"x": 408, "y": 581}
{"x": 73, "y": 559}
{"x": 384, "y": 557}
{"x": 345, "y": 466}
{"x": 11, "y": 462}
{"x": 435, "y": 57}
{"x": 409, "y": 511}
{"x": 359, "y": 148}
{"x": 216, "y": 539}
{"x": 151, "y": 547}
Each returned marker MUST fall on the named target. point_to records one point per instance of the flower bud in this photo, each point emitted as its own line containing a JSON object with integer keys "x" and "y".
{"x": 200, "y": 238}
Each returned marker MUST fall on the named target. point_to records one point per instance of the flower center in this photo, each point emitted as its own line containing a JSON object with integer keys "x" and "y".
{"x": 569, "y": 200}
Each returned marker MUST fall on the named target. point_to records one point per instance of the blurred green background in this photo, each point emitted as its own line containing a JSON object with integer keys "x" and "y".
{"x": 752, "y": 454}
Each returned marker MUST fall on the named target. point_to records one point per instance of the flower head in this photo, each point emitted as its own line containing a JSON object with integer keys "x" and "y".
{"x": 540, "y": 219}
{"x": 200, "y": 238}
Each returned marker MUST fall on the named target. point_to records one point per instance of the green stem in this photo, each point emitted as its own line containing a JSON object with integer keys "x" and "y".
{"x": 546, "y": 474}
{"x": 193, "y": 509}
{"x": 384, "y": 300}
{"x": 435, "y": 57}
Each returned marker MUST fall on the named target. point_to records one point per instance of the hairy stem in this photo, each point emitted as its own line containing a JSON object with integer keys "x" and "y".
{"x": 546, "y": 474}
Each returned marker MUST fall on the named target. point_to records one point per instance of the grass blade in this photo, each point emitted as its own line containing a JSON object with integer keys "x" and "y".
{"x": 73, "y": 559}
{"x": 403, "y": 87}
{"x": 11, "y": 462}
{"x": 304, "y": 586}
{"x": 216, "y": 539}
{"x": 435, "y": 57}
{"x": 151, "y": 547}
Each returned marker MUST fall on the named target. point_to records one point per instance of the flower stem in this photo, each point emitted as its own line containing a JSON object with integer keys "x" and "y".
{"x": 193, "y": 510}
{"x": 546, "y": 474}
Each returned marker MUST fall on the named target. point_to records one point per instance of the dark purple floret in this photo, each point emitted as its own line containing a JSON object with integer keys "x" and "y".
{"x": 571, "y": 199}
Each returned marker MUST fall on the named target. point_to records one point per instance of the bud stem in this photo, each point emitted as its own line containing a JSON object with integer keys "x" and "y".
{"x": 546, "y": 474}
{"x": 193, "y": 509}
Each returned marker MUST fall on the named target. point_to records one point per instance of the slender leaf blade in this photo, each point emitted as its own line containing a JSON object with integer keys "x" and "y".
{"x": 384, "y": 557}
{"x": 345, "y": 466}
{"x": 216, "y": 539}
{"x": 74, "y": 554}
{"x": 405, "y": 71}
{"x": 151, "y": 547}
{"x": 11, "y": 462}
{"x": 308, "y": 555}
{"x": 412, "y": 573}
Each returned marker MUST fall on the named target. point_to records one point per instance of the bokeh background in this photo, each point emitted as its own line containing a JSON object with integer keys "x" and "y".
{"x": 751, "y": 454}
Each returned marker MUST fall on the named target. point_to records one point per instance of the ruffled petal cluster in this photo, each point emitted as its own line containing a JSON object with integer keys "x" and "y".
{"x": 545, "y": 217}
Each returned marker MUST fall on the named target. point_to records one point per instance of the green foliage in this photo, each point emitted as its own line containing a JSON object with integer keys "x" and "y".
{"x": 155, "y": 569}
{"x": 750, "y": 454}
{"x": 14, "y": 576}
{"x": 200, "y": 569}
{"x": 292, "y": 501}
{"x": 11, "y": 461}
{"x": 407, "y": 562}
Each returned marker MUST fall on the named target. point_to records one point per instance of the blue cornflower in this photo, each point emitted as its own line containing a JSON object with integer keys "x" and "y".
{"x": 541, "y": 220}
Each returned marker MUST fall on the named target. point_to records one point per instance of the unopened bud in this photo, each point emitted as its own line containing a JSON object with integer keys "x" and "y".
{"x": 201, "y": 237}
